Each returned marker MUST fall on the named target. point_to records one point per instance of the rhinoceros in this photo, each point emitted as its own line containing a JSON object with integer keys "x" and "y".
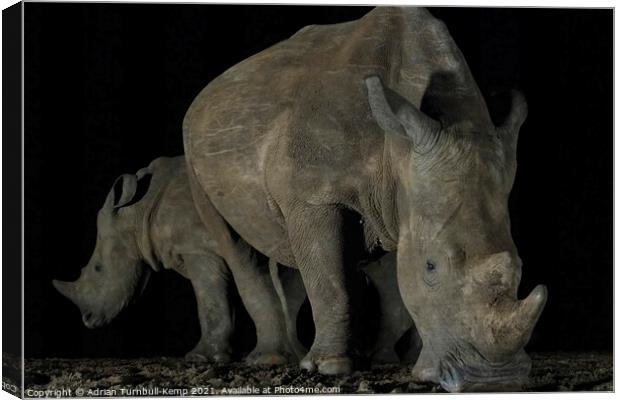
{"x": 372, "y": 135}
{"x": 148, "y": 222}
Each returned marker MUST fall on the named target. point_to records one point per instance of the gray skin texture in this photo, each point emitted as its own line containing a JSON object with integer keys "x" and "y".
{"x": 291, "y": 142}
{"x": 162, "y": 230}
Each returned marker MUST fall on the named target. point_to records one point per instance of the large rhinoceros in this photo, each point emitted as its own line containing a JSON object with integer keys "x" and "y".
{"x": 372, "y": 135}
{"x": 149, "y": 222}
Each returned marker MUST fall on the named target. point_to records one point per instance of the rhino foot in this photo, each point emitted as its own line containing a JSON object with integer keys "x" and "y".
{"x": 336, "y": 365}
{"x": 202, "y": 354}
{"x": 196, "y": 357}
{"x": 259, "y": 357}
{"x": 222, "y": 358}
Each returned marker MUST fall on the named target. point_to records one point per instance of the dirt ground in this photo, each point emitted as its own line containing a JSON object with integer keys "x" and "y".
{"x": 172, "y": 376}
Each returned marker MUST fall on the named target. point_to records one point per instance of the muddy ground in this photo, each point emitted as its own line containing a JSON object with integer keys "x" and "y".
{"x": 550, "y": 372}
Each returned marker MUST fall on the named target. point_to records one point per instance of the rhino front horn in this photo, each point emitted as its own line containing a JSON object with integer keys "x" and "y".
{"x": 67, "y": 289}
{"x": 531, "y": 308}
{"x": 527, "y": 314}
{"x": 510, "y": 327}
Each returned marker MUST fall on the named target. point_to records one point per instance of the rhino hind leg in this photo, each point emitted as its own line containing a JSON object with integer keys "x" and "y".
{"x": 263, "y": 304}
{"x": 253, "y": 283}
{"x": 210, "y": 278}
{"x": 317, "y": 241}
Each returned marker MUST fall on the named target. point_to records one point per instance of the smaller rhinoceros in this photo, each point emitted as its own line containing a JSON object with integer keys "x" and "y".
{"x": 149, "y": 222}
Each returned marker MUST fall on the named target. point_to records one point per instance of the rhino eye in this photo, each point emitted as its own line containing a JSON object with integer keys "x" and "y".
{"x": 98, "y": 268}
{"x": 430, "y": 266}
{"x": 431, "y": 277}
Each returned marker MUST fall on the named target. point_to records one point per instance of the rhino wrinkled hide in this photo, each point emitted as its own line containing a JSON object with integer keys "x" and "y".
{"x": 378, "y": 120}
{"x": 149, "y": 222}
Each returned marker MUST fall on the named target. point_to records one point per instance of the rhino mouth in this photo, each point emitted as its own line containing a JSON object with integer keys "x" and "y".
{"x": 476, "y": 374}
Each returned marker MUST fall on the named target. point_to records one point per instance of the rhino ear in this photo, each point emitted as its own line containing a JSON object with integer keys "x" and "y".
{"x": 128, "y": 190}
{"x": 396, "y": 115}
{"x": 122, "y": 192}
{"x": 142, "y": 172}
{"x": 509, "y": 130}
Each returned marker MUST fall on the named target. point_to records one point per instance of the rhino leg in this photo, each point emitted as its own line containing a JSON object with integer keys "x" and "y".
{"x": 253, "y": 283}
{"x": 394, "y": 319}
{"x": 262, "y": 303}
{"x": 414, "y": 346}
{"x": 317, "y": 242}
{"x": 210, "y": 277}
{"x": 290, "y": 288}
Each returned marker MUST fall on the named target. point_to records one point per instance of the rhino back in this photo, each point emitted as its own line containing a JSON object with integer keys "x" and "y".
{"x": 293, "y": 122}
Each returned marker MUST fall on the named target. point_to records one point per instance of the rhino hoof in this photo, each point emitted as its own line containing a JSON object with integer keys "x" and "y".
{"x": 267, "y": 359}
{"x": 307, "y": 364}
{"x": 335, "y": 366}
{"x": 328, "y": 365}
{"x": 221, "y": 358}
{"x": 195, "y": 357}
{"x": 217, "y": 357}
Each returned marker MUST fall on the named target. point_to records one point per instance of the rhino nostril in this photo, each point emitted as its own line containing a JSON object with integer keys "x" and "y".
{"x": 87, "y": 316}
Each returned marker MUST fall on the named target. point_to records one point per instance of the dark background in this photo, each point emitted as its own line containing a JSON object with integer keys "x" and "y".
{"x": 11, "y": 205}
{"x": 107, "y": 86}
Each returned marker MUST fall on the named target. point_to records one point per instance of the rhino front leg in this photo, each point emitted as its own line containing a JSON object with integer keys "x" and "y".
{"x": 414, "y": 346}
{"x": 394, "y": 319}
{"x": 210, "y": 278}
{"x": 317, "y": 242}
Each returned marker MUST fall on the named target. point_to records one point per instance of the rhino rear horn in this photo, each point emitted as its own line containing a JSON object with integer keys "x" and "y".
{"x": 395, "y": 114}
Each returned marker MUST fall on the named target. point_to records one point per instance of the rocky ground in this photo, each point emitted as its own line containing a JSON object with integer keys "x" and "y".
{"x": 551, "y": 372}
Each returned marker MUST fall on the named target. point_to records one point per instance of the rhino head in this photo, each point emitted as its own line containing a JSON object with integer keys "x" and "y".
{"x": 116, "y": 272}
{"x": 458, "y": 267}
